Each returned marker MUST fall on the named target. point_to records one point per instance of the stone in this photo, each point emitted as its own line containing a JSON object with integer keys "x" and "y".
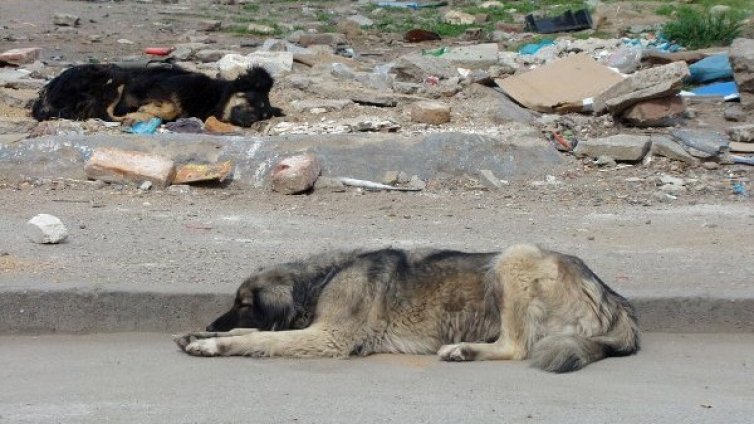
{"x": 473, "y": 56}
{"x": 700, "y": 142}
{"x": 180, "y": 189}
{"x": 276, "y": 63}
{"x": 416, "y": 68}
{"x": 652, "y": 83}
{"x": 124, "y": 41}
{"x": 734, "y": 113}
{"x": 300, "y": 82}
{"x": 742, "y": 62}
{"x": 663, "y": 112}
{"x": 209, "y": 25}
{"x": 122, "y": 166}
{"x": 430, "y": 112}
{"x": 407, "y": 87}
{"x": 186, "y": 51}
{"x": 621, "y": 147}
{"x": 666, "y": 147}
{"x": 455, "y": 17}
{"x": 326, "y": 38}
{"x": 605, "y": 162}
{"x": 58, "y": 127}
{"x": 742, "y": 133}
{"x": 262, "y": 29}
{"x": 65, "y": 19}
{"x": 328, "y": 104}
{"x": 295, "y": 174}
{"x": 490, "y": 5}
{"x": 211, "y": 55}
{"x": 145, "y": 186}
{"x": 416, "y": 183}
{"x": 710, "y": 166}
{"x": 373, "y": 98}
{"x": 45, "y": 229}
{"x": 17, "y": 98}
{"x": 375, "y": 81}
{"x": 21, "y": 56}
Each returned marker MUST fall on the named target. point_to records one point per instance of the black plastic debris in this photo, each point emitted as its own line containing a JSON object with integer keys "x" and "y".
{"x": 569, "y": 21}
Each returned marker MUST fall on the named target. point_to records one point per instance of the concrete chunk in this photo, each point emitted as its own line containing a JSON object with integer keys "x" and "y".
{"x": 21, "y": 56}
{"x": 742, "y": 62}
{"x": 473, "y": 56}
{"x": 295, "y": 174}
{"x": 430, "y": 112}
{"x": 65, "y": 19}
{"x": 45, "y": 229}
{"x": 742, "y": 133}
{"x": 621, "y": 147}
{"x": 122, "y": 166}
{"x": 665, "y": 112}
{"x": 415, "y": 68}
{"x": 653, "y": 83}
{"x": 665, "y": 146}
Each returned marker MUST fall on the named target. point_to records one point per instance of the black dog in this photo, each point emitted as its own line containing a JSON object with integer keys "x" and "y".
{"x": 114, "y": 93}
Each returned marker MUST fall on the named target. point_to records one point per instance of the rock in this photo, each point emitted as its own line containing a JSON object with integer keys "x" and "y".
{"x": 16, "y": 98}
{"x": 276, "y": 63}
{"x": 209, "y": 25}
{"x": 666, "y": 147}
{"x": 710, "y": 166}
{"x": 374, "y": 99}
{"x": 490, "y": 5}
{"x": 664, "y": 112}
{"x": 416, "y": 68}
{"x": 21, "y": 56}
{"x": 124, "y": 41}
{"x": 605, "y": 162}
{"x": 121, "y": 166}
{"x": 255, "y": 28}
{"x": 327, "y": 38}
{"x": 702, "y": 143}
{"x": 455, "y": 17}
{"x": 742, "y": 62}
{"x": 327, "y": 104}
{"x": 661, "y": 81}
{"x": 295, "y": 174}
{"x": 672, "y": 189}
{"x": 64, "y": 19}
{"x": 212, "y": 55}
{"x": 622, "y": 147}
{"x": 742, "y": 133}
{"x": 180, "y": 189}
{"x": 473, "y": 56}
{"x": 213, "y": 125}
{"x": 430, "y": 112}
{"x": 734, "y": 113}
{"x": 417, "y": 183}
{"x": 300, "y": 82}
{"x": 45, "y": 229}
{"x": 185, "y": 51}
{"x": 58, "y": 127}
{"x": 407, "y": 87}
{"x": 375, "y": 81}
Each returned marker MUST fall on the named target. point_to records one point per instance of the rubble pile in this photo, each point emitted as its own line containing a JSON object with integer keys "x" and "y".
{"x": 608, "y": 102}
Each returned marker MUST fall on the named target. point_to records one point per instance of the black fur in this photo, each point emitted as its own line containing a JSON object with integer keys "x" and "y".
{"x": 86, "y": 91}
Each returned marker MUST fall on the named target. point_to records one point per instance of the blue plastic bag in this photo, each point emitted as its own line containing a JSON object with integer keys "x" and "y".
{"x": 711, "y": 68}
{"x": 533, "y": 48}
{"x": 727, "y": 90}
{"x": 145, "y": 127}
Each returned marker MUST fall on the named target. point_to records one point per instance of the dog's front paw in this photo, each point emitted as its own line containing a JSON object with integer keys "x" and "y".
{"x": 456, "y": 353}
{"x": 203, "y": 347}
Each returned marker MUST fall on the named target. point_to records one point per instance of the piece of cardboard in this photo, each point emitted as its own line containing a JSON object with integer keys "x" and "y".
{"x": 560, "y": 86}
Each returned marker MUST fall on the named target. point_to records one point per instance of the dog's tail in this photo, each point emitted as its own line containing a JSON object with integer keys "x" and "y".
{"x": 565, "y": 353}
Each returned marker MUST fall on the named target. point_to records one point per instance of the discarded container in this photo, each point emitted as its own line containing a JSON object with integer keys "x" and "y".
{"x": 145, "y": 127}
{"x": 568, "y": 21}
{"x": 626, "y": 59}
{"x": 727, "y": 90}
{"x": 158, "y": 51}
{"x": 534, "y": 47}
{"x": 711, "y": 68}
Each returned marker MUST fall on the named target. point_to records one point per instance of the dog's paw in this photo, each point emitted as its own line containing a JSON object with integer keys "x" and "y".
{"x": 456, "y": 353}
{"x": 203, "y": 347}
{"x": 183, "y": 340}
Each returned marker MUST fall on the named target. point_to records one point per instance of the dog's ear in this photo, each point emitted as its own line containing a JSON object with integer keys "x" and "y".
{"x": 274, "y": 307}
{"x": 255, "y": 79}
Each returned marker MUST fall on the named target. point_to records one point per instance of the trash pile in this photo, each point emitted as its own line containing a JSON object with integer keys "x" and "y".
{"x": 613, "y": 101}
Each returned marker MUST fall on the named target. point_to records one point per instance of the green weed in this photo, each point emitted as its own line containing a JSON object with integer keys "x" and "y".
{"x": 696, "y": 30}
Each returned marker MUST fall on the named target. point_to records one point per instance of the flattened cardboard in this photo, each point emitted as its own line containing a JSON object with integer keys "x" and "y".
{"x": 560, "y": 86}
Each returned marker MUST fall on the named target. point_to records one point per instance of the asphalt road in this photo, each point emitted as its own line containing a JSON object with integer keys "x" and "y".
{"x": 143, "y": 378}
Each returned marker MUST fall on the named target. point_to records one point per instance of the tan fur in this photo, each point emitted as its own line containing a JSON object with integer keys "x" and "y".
{"x": 533, "y": 303}
{"x": 237, "y": 99}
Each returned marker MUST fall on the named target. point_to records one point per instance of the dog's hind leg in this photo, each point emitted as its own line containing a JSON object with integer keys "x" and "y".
{"x": 310, "y": 342}
{"x": 518, "y": 273}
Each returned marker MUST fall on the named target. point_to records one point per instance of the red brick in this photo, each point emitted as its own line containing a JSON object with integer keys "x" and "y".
{"x": 295, "y": 174}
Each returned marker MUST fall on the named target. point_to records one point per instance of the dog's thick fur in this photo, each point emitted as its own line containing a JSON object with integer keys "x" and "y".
{"x": 523, "y": 303}
{"x": 114, "y": 93}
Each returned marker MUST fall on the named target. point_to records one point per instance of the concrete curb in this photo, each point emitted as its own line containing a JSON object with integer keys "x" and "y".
{"x": 101, "y": 311}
